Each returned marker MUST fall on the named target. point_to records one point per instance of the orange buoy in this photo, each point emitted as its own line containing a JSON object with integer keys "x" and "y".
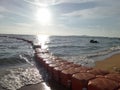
{"x": 102, "y": 84}
{"x": 115, "y": 77}
{"x": 80, "y": 81}
{"x": 98, "y": 72}
{"x": 56, "y": 72}
{"x": 66, "y": 76}
{"x": 83, "y": 69}
{"x": 51, "y": 67}
{"x": 47, "y": 63}
{"x": 30, "y": 42}
{"x": 45, "y": 60}
{"x": 74, "y": 65}
{"x": 36, "y": 46}
{"x": 38, "y": 57}
{"x": 118, "y": 88}
{"x": 51, "y": 61}
{"x": 59, "y": 69}
{"x": 100, "y": 76}
{"x": 38, "y": 50}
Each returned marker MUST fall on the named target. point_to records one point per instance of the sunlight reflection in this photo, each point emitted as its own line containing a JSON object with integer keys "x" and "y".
{"x": 46, "y": 87}
{"x": 42, "y": 40}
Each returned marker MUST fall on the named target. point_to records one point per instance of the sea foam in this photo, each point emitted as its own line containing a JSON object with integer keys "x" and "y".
{"x": 16, "y": 78}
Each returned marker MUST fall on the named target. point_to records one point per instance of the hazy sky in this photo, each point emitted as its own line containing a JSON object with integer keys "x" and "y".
{"x": 61, "y": 17}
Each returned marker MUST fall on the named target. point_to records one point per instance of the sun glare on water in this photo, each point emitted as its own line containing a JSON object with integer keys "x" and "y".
{"x": 43, "y": 16}
{"x": 42, "y": 40}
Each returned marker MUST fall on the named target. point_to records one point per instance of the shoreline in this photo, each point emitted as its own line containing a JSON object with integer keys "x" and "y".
{"x": 44, "y": 86}
{"x": 111, "y": 63}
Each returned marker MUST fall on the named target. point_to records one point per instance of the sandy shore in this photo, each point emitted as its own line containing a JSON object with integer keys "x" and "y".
{"x": 44, "y": 86}
{"x": 112, "y": 63}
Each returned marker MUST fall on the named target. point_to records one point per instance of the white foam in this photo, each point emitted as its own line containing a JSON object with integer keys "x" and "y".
{"x": 16, "y": 78}
{"x": 90, "y": 59}
{"x": 104, "y": 52}
{"x": 82, "y": 60}
{"x": 25, "y": 58}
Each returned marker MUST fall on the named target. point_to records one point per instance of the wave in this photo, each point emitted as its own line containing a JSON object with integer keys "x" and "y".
{"x": 15, "y": 60}
{"x": 90, "y": 59}
{"x": 65, "y": 46}
{"x": 104, "y": 52}
{"x": 25, "y": 58}
{"x": 14, "y": 79}
{"x": 81, "y": 60}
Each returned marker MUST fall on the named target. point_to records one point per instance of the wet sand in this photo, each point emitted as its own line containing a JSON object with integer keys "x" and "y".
{"x": 44, "y": 86}
{"x": 111, "y": 64}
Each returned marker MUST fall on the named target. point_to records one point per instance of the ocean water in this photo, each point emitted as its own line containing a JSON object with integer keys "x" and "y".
{"x": 18, "y": 67}
{"x": 78, "y": 49}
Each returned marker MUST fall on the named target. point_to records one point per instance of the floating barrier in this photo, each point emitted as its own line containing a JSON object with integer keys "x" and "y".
{"x": 47, "y": 63}
{"x": 38, "y": 50}
{"x": 75, "y": 77}
{"x": 118, "y": 89}
{"x": 83, "y": 69}
{"x": 80, "y": 81}
{"x": 51, "y": 67}
{"x": 102, "y": 84}
{"x": 115, "y": 77}
{"x": 28, "y": 41}
{"x": 43, "y": 56}
{"x": 66, "y": 75}
{"x": 100, "y": 76}
{"x": 57, "y": 70}
{"x": 38, "y": 58}
{"x": 98, "y": 72}
{"x": 3, "y": 36}
{"x": 36, "y": 46}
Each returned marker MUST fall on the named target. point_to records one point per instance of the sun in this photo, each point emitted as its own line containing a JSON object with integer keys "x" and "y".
{"x": 43, "y": 16}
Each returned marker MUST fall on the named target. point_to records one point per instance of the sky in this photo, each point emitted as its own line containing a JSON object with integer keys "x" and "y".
{"x": 60, "y": 17}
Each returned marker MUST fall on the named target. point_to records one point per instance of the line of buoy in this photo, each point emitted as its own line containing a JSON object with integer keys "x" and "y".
{"x": 73, "y": 76}
{"x": 77, "y": 77}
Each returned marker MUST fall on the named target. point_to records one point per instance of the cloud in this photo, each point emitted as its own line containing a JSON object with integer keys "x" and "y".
{"x": 17, "y": 10}
{"x": 2, "y": 9}
{"x": 102, "y": 10}
{"x": 23, "y": 24}
{"x": 41, "y": 3}
{"x": 1, "y": 16}
{"x": 73, "y": 1}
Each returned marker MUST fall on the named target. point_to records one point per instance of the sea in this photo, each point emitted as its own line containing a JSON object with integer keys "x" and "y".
{"x": 17, "y": 63}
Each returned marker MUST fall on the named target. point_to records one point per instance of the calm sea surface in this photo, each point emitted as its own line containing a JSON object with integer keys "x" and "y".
{"x": 17, "y": 64}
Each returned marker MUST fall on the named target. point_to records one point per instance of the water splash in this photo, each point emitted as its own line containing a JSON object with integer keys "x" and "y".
{"x": 25, "y": 58}
{"x": 16, "y": 78}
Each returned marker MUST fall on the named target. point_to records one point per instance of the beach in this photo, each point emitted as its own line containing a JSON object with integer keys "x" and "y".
{"x": 111, "y": 63}
{"x": 22, "y": 72}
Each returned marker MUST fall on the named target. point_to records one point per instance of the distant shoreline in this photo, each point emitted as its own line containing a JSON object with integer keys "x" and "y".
{"x": 111, "y": 63}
